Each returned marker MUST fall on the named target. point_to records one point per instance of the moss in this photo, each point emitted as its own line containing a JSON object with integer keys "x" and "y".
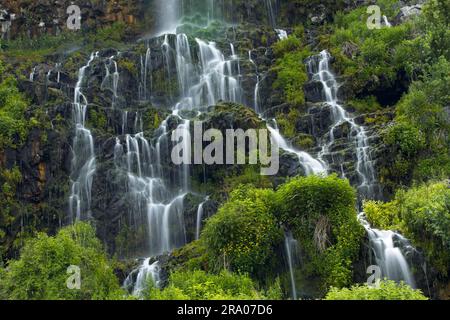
{"x": 366, "y": 105}
{"x": 128, "y": 65}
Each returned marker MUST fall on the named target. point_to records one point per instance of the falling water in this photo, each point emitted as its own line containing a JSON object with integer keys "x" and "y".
{"x": 203, "y": 80}
{"x": 290, "y": 245}
{"x": 311, "y": 165}
{"x": 389, "y": 257}
{"x": 83, "y": 161}
{"x": 145, "y": 272}
{"x": 319, "y": 70}
{"x": 199, "y": 218}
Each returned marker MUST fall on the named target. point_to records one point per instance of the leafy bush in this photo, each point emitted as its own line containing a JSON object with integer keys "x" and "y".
{"x": 41, "y": 271}
{"x": 383, "y": 215}
{"x": 419, "y": 139}
{"x": 388, "y": 290}
{"x": 199, "y": 285}
{"x": 290, "y": 69}
{"x": 425, "y": 212}
{"x": 407, "y": 138}
{"x": 13, "y": 125}
{"x": 9, "y": 180}
{"x": 320, "y": 211}
{"x": 243, "y": 233}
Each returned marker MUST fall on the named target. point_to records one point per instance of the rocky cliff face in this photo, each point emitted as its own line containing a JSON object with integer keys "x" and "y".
{"x": 38, "y": 18}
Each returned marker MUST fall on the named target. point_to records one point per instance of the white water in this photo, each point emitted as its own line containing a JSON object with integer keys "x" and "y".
{"x": 290, "y": 245}
{"x": 83, "y": 160}
{"x": 319, "y": 70}
{"x": 199, "y": 218}
{"x": 311, "y": 165}
{"x": 388, "y": 257}
{"x": 215, "y": 77}
{"x": 282, "y": 34}
{"x": 145, "y": 272}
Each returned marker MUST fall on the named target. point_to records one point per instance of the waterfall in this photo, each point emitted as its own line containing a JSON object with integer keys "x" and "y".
{"x": 388, "y": 256}
{"x": 271, "y": 12}
{"x": 145, "y": 272}
{"x": 146, "y": 71}
{"x": 386, "y": 22}
{"x": 83, "y": 160}
{"x": 199, "y": 218}
{"x": 319, "y": 70}
{"x": 291, "y": 246}
{"x": 311, "y": 165}
{"x": 203, "y": 80}
{"x": 282, "y": 34}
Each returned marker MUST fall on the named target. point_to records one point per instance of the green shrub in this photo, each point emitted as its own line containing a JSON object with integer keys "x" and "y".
{"x": 243, "y": 233}
{"x": 383, "y": 215}
{"x": 425, "y": 212}
{"x": 13, "y": 125}
{"x": 290, "y": 69}
{"x": 199, "y": 285}
{"x": 41, "y": 271}
{"x": 320, "y": 211}
{"x": 406, "y": 138}
{"x": 388, "y": 290}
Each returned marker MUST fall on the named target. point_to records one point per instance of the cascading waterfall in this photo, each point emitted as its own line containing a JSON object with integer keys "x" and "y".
{"x": 319, "y": 70}
{"x": 83, "y": 160}
{"x": 271, "y": 12}
{"x": 146, "y": 72}
{"x": 202, "y": 81}
{"x": 146, "y": 270}
{"x": 291, "y": 247}
{"x": 200, "y": 211}
{"x": 388, "y": 257}
{"x": 311, "y": 165}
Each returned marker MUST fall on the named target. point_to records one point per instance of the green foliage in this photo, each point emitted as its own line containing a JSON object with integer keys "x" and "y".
{"x": 242, "y": 235}
{"x": 388, "y": 290}
{"x": 383, "y": 215}
{"x": 198, "y": 285}
{"x": 425, "y": 212}
{"x": 405, "y": 138}
{"x": 287, "y": 122}
{"x": 290, "y": 69}
{"x": 419, "y": 141}
{"x": 13, "y": 125}
{"x": 41, "y": 271}
{"x": 366, "y": 105}
{"x": 9, "y": 180}
{"x": 374, "y": 59}
{"x": 321, "y": 213}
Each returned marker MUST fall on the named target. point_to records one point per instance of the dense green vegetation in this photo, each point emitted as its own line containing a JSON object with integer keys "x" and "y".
{"x": 199, "y": 285}
{"x": 242, "y": 235}
{"x": 41, "y": 273}
{"x": 321, "y": 214}
{"x": 395, "y": 77}
{"x": 290, "y": 69}
{"x": 13, "y": 125}
{"x": 387, "y": 290}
